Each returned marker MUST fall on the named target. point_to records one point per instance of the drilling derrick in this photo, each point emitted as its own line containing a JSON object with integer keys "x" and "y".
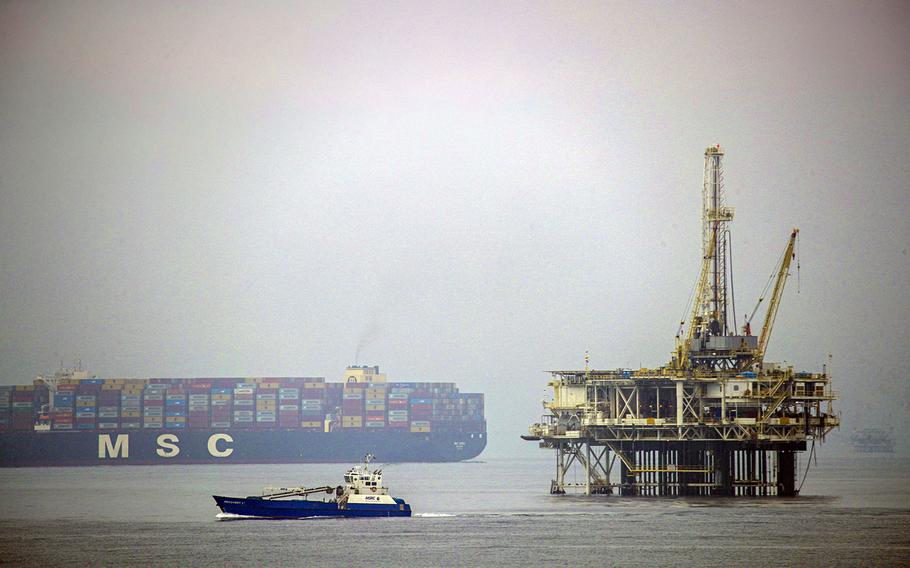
{"x": 711, "y": 343}
{"x": 717, "y": 419}
{"x": 715, "y": 216}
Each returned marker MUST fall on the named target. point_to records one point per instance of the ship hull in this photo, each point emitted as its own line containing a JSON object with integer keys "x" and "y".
{"x": 301, "y": 509}
{"x": 231, "y": 446}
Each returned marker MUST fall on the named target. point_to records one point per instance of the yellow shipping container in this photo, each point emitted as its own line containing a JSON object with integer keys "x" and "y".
{"x": 314, "y": 385}
{"x": 310, "y": 424}
{"x": 419, "y": 429}
{"x": 85, "y": 403}
{"x": 269, "y": 385}
{"x": 25, "y": 387}
{"x": 175, "y": 419}
{"x": 129, "y": 414}
{"x": 378, "y": 407}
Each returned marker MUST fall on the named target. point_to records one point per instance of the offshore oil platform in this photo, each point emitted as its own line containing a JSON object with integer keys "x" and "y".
{"x": 717, "y": 419}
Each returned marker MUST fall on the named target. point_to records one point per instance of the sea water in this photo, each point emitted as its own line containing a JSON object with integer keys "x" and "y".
{"x": 853, "y": 511}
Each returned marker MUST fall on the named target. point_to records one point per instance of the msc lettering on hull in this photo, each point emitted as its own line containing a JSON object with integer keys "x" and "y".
{"x": 118, "y": 449}
{"x": 168, "y": 447}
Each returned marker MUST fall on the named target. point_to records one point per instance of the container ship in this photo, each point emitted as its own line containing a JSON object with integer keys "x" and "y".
{"x": 72, "y": 419}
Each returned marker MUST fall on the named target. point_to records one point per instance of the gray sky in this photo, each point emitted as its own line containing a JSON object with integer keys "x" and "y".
{"x": 469, "y": 192}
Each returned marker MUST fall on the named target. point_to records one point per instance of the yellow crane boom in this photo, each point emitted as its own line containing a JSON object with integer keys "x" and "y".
{"x": 779, "y": 284}
{"x": 683, "y": 348}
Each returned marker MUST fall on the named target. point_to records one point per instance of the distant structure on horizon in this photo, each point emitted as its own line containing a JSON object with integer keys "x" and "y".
{"x": 873, "y": 441}
{"x": 717, "y": 419}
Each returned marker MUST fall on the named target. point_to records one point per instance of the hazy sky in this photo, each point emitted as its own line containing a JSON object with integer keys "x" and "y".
{"x": 470, "y": 192}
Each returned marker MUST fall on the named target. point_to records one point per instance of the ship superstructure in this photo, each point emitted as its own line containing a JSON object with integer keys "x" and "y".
{"x": 717, "y": 419}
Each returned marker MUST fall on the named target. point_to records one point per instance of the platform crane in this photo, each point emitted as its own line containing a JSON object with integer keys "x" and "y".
{"x": 684, "y": 346}
{"x": 782, "y": 273}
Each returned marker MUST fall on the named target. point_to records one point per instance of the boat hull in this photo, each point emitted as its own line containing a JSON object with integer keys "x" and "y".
{"x": 232, "y": 446}
{"x": 304, "y": 509}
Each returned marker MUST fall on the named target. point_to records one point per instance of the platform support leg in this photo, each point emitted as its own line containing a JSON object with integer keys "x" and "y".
{"x": 786, "y": 473}
{"x": 557, "y": 487}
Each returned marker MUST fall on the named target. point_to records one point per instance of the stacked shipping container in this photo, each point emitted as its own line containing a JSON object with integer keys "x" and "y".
{"x": 375, "y": 406}
{"x": 6, "y": 398}
{"x": 288, "y": 407}
{"x": 108, "y": 408}
{"x": 267, "y": 404}
{"x": 197, "y": 408}
{"x": 352, "y": 405}
{"x": 153, "y": 406}
{"x": 398, "y": 408}
{"x": 222, "y": 404}
{"x": 64, "y": 403}
{"x": 252, "y": 403}
{"x": 87, "y": 404}
{"x": 22, "y": 408}
{"x": 244, "y": 405}
{"x": 175, "y": 408}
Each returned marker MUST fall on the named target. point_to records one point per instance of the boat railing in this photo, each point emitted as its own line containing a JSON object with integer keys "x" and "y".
{"x": 285, "y": 492}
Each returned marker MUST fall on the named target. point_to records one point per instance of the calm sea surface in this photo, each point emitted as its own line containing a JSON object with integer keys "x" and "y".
{"x": 853, "y": 512}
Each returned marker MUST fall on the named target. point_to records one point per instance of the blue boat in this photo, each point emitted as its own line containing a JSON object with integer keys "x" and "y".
{"x": 363, "y": 495}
